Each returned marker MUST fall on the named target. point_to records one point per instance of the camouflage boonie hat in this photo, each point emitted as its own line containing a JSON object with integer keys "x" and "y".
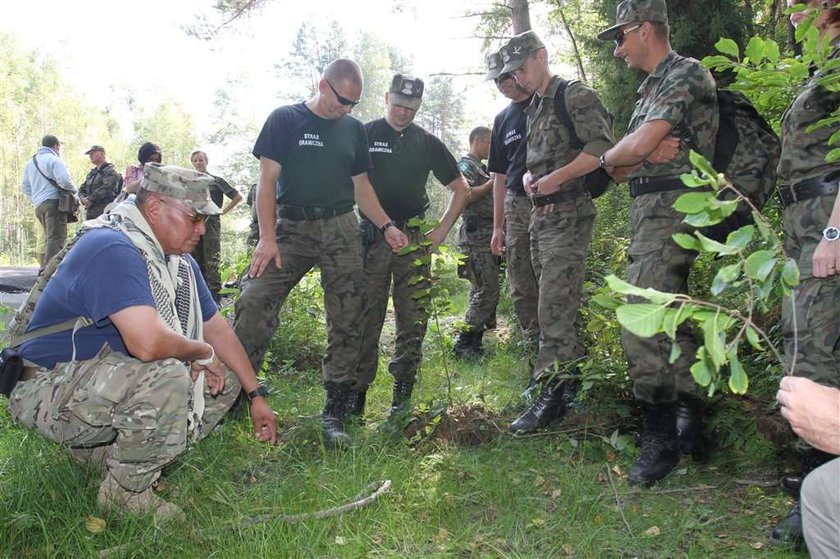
{"x": 191, "y": 187}
{"x": 406, "y": 91}
{"x": 95, "y": 148}
{"x": 494, "y": 66}
{"x": 636, "y": 11}
{"x": 515, "y": 53}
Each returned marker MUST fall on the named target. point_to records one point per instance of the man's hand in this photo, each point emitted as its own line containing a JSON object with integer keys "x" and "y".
{"x": 84, "y": 201}
{"x": 395, "y": 238}
{"x": 813, "y": 411}
{"x": 826, "y": 258}
{"x": 265, "y": 423}
{"x": 497, "y": 243}
{"x": 436, "y": 236}
{"x": 266, "y": 252}
{"x": 666, "y": 151}
{"x": 214, "y": 375}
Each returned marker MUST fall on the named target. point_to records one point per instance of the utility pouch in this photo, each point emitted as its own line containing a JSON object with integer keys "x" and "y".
{"x": 11, "y": 369}
{"x": 471, "y": 224}
{"x": 368, "y": 231}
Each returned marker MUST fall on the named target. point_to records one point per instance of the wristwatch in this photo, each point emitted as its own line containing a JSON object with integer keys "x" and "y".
{"x": 602, "y": 161}
{"x": 260, "y": 390}
{"x": 386, "y": 226}
{"x": 831, "y": 234}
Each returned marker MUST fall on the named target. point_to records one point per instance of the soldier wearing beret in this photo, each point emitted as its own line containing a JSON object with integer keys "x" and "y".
{"x": 678, "y": 109}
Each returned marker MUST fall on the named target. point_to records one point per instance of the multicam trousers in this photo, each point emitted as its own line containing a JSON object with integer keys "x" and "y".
{"x": 333, "y": 244}
{"x": 139, "y": 408}
{"x": 382, "y": 267}
{"x": 559, "y": 243}
{"x": 656, "y": 261}
{"x": 208, "y": 251}
{"x": 522, "y": 278}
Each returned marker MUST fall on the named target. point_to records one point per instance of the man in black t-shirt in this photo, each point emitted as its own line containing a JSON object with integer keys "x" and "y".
{"x": 402, "y": 154}
{"x": 316, "y": 156}
{"x": 208, "y": 250}
{"x": 511, "y": 206}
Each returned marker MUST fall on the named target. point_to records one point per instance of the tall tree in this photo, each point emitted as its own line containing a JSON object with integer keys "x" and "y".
{"x": 315, "y": 46}
{"x": 170, "y": 126}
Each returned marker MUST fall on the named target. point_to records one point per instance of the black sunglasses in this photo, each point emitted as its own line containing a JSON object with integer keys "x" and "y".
{"x": 503, "y": 77}
{"x": 619, "y": 35}
{"x": 196, "y": 218}
{"x": 342, "y": 99}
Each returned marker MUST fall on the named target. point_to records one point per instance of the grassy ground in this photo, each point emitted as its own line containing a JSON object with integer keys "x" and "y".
{"x": 461, "y": 486}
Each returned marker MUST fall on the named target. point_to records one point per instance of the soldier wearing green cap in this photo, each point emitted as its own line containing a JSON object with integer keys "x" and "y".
{"x": 677, "y": 111}
{"x": 511, "y": 206}
{"x": 403, "y": 154}
{"x": 128, "y": 359}
{"x": 562, "y": 218}
{"x": 101, "y": 185}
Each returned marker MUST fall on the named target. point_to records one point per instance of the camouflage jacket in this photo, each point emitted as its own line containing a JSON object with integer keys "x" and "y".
{"x": 548, "y": 138}
{"x": 682, "y": 92}
{"x": 476, "y": 174}
{"x": 101, "y": 185}
{"x": 804, "y": 152}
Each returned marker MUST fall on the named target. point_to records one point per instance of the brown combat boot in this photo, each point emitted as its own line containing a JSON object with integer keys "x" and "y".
{"x": 112, "y": 496}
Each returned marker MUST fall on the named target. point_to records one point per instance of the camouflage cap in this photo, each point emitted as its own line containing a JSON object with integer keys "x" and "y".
{"x": 406, "y": 91}
{"x": 191, "y": 187}
{"x": 494, "y": 66}
{"x": 636, "y": 11}
{"x": 515, "y": 53}
{"x": 95, "y": 148}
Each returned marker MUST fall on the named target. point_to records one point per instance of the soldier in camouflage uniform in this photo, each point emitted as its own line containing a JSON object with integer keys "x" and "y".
{"x": 481, "y": 267}
{"x": 128, "y": 359}
{"x": 811, "y": 219}
{"x": 101, "y": 185}
{"x": 317, "y": 154}
{"x": 562, "y": 218}
{"x": 677, "y": 98}
{"x": 511, "y": 205}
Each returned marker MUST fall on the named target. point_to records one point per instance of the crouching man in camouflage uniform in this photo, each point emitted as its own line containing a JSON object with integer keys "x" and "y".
{"x": 132, "y": 359}
{"x": 677, "y": 99}
{"x": 562, "y": 219}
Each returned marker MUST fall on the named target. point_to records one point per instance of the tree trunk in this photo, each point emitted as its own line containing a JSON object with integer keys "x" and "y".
{"x": 520, "y": 17}
{"x": 578, "y": 60}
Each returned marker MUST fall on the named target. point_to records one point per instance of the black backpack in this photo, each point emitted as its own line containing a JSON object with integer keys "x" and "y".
{"x": 747, "y": 151}
{"x": 598, "y": 180}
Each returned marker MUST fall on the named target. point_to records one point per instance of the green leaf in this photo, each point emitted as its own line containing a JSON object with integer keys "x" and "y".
{"x": 642, "y": 319}
{"x": 408, "y": 249}
{"x": 833, "y": 156}
{"x": 771, "y": 51}
{"x": 755, "y": 50}
{"x": 738, "y": 381}
{"x": 753, "y": 338}
{"x": 702, "y": 164}
{"x": 759, "y": 264}
{"x": 703, "y": 219}
{"x": 700, "y": 370}
{"x": 727, "y": 46}
{"x": 724, "y": 278}
{"x": 693, "y": 202}
{"x": 415, "y": 280}
{"x": 693, "y": 181}
{"x": 605, "y": 301}
{"x": 763, "y": 228}
{"x": 713, "y": 342}
{"x": 676, "y": 351}
{"x": 710, "y": 245}
{"x": 717, "y": 61}
{"x": 621, "y": 286}
{"x": 686, "y": 241}
{"x": 790, "y": 273}
{"x": 741, "y": 237}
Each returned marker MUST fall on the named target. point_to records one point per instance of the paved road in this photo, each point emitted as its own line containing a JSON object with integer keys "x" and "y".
{"x": 15, "y": 283}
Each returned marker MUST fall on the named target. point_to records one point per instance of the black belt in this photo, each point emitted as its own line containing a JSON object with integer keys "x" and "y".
{"x": 556, "y": 197}
{"x": 517, "y": 193}
{"x": 309, "y": 213}
{"x": 810, "y": 188}
{"x": 649, "y": 185}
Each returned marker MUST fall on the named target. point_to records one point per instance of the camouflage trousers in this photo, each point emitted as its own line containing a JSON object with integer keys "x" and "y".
{"x": 522, "y": 278}
{"x": 139, "y": 409}
{"x": 54, "y": 225}
{"x": 482, "y": 269}
{"x": 208, "y": 251}
{"x": 656, "y": 261}
{"x": 816, "y": 301}
{"x": 333, "y": 244}
{"x": 559, "y": 243}
{"x": 382, "y": 267}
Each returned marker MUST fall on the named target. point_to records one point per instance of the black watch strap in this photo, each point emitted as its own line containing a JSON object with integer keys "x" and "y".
{"x": 260, "y": 390}
{"x": 386, "y": 226}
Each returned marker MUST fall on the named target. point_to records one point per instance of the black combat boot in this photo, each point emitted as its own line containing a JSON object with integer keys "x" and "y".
{"x": 659, "y": 453}
{"x": 465, "y": 346}
{"x": 690, "y": 432}
{"x": 336, "y": 409}
{"x": 788, "y": 531}
{"x": 356, "y": 406}
{"x": 549, "y": 406}
{"x": 402, "y": 397}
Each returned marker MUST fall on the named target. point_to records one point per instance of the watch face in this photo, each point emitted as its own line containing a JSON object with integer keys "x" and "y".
{"x": 831, "y": 233}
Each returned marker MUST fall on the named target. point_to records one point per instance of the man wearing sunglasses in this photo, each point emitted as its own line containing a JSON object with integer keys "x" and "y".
{"x": 511, "y": 206}
{"x": 403, "y": 154}
{"x": 562, "y": 218}
{"x": 314, "y": 163}
{"x": 677, "y": 99}
{"x": 131, "y": 359}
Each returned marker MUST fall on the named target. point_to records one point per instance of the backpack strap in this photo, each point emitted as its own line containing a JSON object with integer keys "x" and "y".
{"x": 72, "y": 323}
{"x": 562, "y": 113}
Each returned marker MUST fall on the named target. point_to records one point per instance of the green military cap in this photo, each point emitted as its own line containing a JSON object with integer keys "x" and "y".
{"x": 191, "y": 187}
{"x": 406, "y": 91}
{"x": 494, "y": 66}
{"x": 515, "y": 53}
{"x": 95, "y": 148}
{"x": 636, "y": 11}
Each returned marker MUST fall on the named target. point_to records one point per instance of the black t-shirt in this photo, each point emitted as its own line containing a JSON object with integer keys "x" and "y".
{"x": 508, "y": 147}
{"x": 219, "y": 189}
{"x": 401, "y": 165}
{"x": 318, "y": 156}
